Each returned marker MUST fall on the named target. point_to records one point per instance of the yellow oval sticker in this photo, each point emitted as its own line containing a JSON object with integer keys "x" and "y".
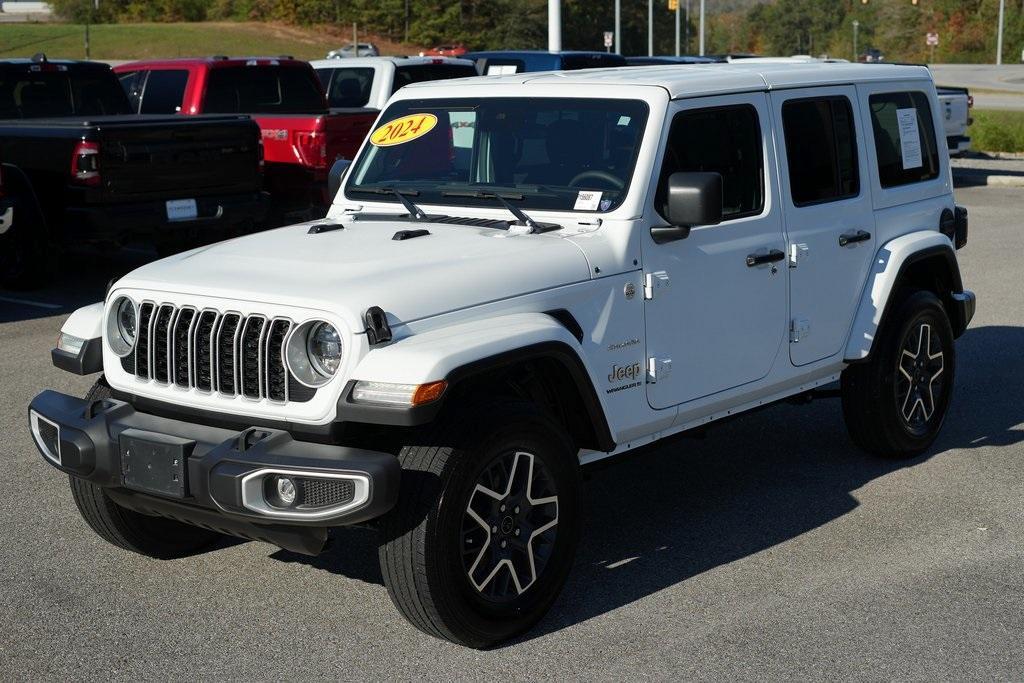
{"x": 402, "y": 130}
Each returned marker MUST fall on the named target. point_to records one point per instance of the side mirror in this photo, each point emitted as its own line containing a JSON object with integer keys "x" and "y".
{"x": 692, "y": 199}
{"x": 335, "y": 176}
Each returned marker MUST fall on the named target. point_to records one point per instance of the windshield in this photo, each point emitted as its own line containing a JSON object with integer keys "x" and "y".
{"x": 542, "y": 153}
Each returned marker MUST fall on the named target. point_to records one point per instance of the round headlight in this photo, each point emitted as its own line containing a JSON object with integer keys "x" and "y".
{"x": 122, "y": 326}
{"x": 323, "y": 345}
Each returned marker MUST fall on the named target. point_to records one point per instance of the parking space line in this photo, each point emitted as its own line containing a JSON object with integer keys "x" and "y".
{"x": 37, "y": 304}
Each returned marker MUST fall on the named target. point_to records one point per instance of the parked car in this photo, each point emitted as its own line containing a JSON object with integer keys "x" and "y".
{"x": 87, "y": 169}
{"x": 453, "y": 50}
{"x": 300, "y": 137}
{"x": 871, "y": 56}
{"x": 955, "y": 105}
{"x": 518, "y": 61}
{"x": 354, "y": 50}
{"x": 668, "y": 59}
{"x": 368, "y": 82}
{"x": 555, "y": 271}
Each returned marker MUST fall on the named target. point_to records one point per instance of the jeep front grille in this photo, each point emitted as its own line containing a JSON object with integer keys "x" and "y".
{"x": 210, "y": 351}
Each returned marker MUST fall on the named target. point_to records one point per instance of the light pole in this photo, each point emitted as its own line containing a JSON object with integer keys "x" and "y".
{"x": 677, "y": 28}
{"x": 618, "y": 26}
{"x": 856, "y": 25}
{"x": 999, "y": 33}
{"x": 554, "y": 25}
{"x": 701, "y": 28}
{"x": 650, "y": 28}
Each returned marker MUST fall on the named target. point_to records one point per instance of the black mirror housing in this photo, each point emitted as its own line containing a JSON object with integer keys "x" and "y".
{"x": 335, "y": 175}
{"x": 694, "y": 198}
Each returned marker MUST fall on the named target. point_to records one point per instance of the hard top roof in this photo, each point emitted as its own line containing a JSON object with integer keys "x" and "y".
{"x": 691, "y": 80}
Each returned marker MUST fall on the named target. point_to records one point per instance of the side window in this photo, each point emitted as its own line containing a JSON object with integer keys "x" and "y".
{"x": 348, "y": 86}
{"x": 725, "y": 140}
{"x": 131, "y": 83}
{"x": 821, "y": 147}
{"x": 165, "y": 91}
{"x": 904, "y": 138}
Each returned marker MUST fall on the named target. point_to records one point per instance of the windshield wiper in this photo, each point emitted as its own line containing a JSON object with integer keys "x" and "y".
{"x": 520, "y": 215}
{"x": 415, "y": 212}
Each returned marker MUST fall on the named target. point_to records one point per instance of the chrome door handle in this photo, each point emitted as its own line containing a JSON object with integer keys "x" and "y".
{"x": 854, "y": 237}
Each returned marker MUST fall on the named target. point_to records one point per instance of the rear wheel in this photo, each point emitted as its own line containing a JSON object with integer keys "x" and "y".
{"x": 153, "y": 536}
{"x": 23, "y": 259}
{"x": 486, "y": 527}
{"x": 894, "y": 404}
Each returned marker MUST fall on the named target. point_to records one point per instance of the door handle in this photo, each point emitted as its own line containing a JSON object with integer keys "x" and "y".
{"x": 854, "y": 237}
{"x": 761, "y": 259}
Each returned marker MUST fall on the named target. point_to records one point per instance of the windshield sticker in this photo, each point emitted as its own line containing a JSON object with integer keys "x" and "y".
{"x": 587, "y": 200}
{"x": 402, "y": 130}
{"x": 910, "y": 139}
{"x": 623, "y": 121}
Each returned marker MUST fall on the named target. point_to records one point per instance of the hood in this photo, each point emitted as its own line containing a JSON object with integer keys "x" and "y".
{"x": 348, "y": 270}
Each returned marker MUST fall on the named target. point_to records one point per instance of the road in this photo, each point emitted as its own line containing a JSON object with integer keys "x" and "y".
{"x": 993, "y": 87}
{"x": 770, "y": 549}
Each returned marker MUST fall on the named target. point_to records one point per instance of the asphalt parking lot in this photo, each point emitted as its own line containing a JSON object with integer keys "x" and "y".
{"x": 770, "y": 548}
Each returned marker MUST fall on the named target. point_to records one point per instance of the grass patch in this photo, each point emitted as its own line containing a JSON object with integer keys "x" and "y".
{"x": 155, "y": 40}
{"x": 997, "y": 131}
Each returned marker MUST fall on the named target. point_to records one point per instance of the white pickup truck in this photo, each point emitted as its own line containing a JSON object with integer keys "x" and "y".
{"x": 955, "y": 108}
{"x": 521, "y": 275}
{"x": 368, "y": 82}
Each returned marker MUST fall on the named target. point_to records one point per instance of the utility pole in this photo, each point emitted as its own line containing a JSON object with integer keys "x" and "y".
{"x": 406, "y": 22}
{"x": 688, "y": 26}
{"x": 93, "y": 4}
{"x": 701, "y": 28}
{"x": 554, "y": 25}
{"x": 618, "y": 26}
{"x": 677, "y": 28}
{"x": 999, "y": 34}
{"x": 856, "y": 25}
{"x": 355, "y": 40}
{"x": 650, "y": 28}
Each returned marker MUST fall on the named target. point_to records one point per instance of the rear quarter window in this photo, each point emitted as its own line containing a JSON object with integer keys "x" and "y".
{"x": 904, "y": 138}
{"x": 164, "y": 91}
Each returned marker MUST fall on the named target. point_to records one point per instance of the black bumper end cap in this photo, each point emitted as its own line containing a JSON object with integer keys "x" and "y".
{"x": 88, "y": 361}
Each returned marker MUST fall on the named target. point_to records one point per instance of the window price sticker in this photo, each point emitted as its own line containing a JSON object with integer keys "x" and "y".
{"x": 587, "y": 200}
{"x": 401, "y": 130}
{"x": 910, "y": 139}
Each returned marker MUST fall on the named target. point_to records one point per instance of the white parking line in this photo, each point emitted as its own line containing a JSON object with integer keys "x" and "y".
{"x": 37, "y": 304}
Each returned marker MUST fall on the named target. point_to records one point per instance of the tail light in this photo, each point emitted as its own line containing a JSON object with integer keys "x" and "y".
{"x": 311, "y": 147}
{"x": 85, "y": 164}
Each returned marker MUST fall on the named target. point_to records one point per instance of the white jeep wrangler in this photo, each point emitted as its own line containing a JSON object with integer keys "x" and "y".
{"x": 521, "y": 275}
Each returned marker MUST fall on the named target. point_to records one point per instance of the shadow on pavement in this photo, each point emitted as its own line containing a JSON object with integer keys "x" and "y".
{"x": 656, "y": 520}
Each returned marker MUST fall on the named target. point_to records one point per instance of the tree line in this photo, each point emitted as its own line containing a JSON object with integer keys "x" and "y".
{"x": 966, "y": 28}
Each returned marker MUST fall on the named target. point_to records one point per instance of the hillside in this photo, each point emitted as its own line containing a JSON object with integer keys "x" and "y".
{"x": 153, "y": 40}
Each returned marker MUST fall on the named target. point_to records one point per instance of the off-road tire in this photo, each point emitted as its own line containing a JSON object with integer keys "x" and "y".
{"x": 423, "y": 547}
{"x": 872, "y": 392}
{"x": 152, "y": 536}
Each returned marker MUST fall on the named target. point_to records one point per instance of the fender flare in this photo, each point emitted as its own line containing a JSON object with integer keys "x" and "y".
{"x": 480, "y": 346}
{"x": 890, "y": 265}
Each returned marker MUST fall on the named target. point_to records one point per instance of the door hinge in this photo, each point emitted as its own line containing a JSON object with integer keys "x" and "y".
{"x": 658, "y": 369}
{"x": 799, "y": 328}
{"x": 654, "y": 282}
{"x": 797, "y": 253}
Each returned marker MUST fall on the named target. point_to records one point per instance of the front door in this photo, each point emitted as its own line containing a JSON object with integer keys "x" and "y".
{"x": 716, "y": 312}
{"x": 828, "y": 214}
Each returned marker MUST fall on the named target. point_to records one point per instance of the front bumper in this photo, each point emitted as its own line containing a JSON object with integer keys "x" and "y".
{"x": 222, "y": 469}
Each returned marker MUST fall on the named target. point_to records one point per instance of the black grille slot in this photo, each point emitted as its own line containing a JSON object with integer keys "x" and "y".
{"x": 321, "y": 493}
{"x": 128, "y": 362}
{"x": 142, "y": 345}
{"x": 202, "y": 351}
{"x": 276, "y": 381}
{"x": 179, "y": 349}
{"x": 226, "y": 353}
{"x": 160, "y": 341}
{"x": 252, "y": 335}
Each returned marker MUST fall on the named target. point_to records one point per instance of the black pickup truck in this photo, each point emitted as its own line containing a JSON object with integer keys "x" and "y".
{"x": 80, "y": 167}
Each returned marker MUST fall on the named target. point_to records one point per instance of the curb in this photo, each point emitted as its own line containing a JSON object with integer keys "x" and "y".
{"x": 982, "y": 179}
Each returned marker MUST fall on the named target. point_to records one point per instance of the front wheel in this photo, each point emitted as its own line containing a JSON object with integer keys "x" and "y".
{"x": 895, "y": 403}
{"x": 485, "y": 531}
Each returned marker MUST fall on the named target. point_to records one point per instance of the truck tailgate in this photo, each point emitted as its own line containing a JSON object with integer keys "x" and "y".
{"x": 954, "y": 111}
{"x": 313, "y": 141}
{"x": 191, "y": 156}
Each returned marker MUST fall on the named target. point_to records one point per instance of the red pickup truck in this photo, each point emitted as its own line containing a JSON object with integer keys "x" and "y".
{"x": 301, "y": 138}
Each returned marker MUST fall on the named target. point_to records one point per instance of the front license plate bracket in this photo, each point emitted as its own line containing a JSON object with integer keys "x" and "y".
{"x": 155, "y": 463}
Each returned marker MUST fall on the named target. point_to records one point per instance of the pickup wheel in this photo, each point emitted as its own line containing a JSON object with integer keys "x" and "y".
{"x": 152, "y": 536}
{"x": 894, "y": 404}
{"x": 485, "y": 530}
{"x": 23, "y": 260}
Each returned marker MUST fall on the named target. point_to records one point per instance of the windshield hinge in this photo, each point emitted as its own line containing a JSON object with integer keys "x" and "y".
{"x": 653, "y": 282}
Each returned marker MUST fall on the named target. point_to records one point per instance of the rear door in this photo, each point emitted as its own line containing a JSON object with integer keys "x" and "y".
{"x": 828, "y": 213}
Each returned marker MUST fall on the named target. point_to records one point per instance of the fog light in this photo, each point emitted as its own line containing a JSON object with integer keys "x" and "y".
{"x": 281, "y": 491}
{"x": 286, "y": 490}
